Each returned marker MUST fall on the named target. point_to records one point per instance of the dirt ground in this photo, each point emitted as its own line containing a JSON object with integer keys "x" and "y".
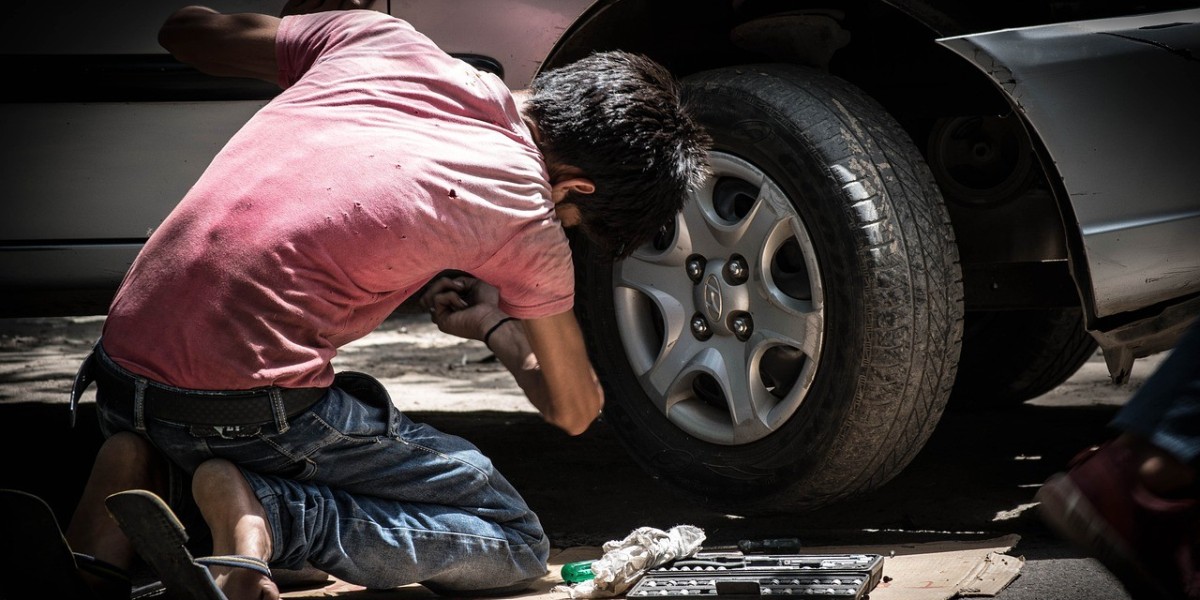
{"x": 430, "y": 370}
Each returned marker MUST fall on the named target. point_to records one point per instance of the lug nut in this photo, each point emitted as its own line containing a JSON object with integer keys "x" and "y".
{"x": 700, "y": 328}
{"x": 742, "y": 326}
{"x": 736, "y": 270}
{"x": 695, "y": 268}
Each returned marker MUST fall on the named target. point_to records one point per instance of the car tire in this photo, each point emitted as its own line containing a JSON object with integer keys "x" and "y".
{"x": 1012, "y": 356}
{"x": 821, "y": 260}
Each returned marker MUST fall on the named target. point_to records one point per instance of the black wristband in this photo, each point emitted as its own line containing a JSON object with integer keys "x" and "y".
{"x": 487, "y": 336}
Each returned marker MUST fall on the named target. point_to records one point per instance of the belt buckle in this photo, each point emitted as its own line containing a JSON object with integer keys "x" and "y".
{"x": 229, "y": 432}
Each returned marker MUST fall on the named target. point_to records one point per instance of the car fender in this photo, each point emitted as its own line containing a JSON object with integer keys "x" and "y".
{"x": 1112, "y": 103}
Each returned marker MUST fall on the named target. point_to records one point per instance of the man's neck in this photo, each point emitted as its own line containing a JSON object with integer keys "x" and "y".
{"x": 521, "y": 98}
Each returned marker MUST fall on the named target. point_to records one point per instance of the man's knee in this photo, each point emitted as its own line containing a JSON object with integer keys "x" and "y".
{"x": 127, "y": 460}
{"x": 214, "y": 479}
{"x": 128, "y": 449}
{"x": 214, "y": 471}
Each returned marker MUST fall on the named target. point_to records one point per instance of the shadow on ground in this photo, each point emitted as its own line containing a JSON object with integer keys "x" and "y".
{"x": 975, "y": 478}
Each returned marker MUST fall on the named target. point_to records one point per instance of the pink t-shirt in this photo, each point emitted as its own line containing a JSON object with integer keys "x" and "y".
{"x": 382, "y": 163}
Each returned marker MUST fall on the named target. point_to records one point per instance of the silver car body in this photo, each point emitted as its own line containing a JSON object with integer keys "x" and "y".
{"x": 1125, "y": 87}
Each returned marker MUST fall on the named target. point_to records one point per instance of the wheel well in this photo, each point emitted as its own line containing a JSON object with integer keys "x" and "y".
{"x": 1009, "y": 227}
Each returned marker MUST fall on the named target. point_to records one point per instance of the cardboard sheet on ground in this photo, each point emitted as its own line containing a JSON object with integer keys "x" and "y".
{"x": 928, "y": 571}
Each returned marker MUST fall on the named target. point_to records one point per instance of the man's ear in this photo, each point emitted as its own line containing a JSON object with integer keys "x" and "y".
{"x": 578, "y": 185}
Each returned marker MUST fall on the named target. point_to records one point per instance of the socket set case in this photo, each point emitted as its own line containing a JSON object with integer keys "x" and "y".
{"x": 736, "y": 575}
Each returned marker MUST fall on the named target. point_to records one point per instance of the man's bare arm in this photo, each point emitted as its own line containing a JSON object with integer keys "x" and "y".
{"x": 235, "y": 44}
{"x": 227, "y": 45}
{"x": 546, "y": 356}
{"x": 548, "y": 359}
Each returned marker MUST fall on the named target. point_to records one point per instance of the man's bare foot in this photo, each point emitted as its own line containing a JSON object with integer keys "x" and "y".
{"x": 244, "y": 584}
{"x": 1159, "y": 471}
{"x": 239, "y": 526}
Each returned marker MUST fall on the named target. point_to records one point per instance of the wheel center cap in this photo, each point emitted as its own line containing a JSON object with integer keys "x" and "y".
{"x": 715, "y": 298}
{"x": 712, "y": 298}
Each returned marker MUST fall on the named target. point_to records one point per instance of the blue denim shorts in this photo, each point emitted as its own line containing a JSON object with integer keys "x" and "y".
{"x": 357, "y": 489}
{"x": 1166, "y": 409}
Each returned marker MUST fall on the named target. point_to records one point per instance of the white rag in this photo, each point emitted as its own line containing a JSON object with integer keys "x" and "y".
{"x": 625, "y": 561}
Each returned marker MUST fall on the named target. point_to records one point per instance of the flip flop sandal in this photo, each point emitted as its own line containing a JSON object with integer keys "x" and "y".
{"x": 35, "y": 559}
{"x": 161, "y": 540}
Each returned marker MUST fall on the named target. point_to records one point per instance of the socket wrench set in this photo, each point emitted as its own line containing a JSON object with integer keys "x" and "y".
{"x": 736, "y": 575}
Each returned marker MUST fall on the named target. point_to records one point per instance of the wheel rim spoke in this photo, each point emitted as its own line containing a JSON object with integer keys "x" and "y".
{"x": 740, "y": 419}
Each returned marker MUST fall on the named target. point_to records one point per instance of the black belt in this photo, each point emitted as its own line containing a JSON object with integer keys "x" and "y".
{"x": 201, "y": 407}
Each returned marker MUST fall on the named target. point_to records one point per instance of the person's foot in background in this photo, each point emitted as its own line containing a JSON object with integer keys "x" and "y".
{"x": 1133, "y": 507}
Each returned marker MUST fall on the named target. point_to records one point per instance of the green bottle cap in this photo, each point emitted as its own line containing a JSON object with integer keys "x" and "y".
{"x": 575, "y": 572}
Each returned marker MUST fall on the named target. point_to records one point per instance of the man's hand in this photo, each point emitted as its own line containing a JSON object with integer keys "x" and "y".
{"x": 303, "y": 7}
{"x": 546, "y": 355}
{"x": 463, "y": 306}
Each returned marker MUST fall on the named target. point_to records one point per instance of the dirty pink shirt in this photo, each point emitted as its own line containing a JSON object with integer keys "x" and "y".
{"x": 382, "y": 163}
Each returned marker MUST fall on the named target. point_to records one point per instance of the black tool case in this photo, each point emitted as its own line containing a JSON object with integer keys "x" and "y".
{"x": 741, "y": 576}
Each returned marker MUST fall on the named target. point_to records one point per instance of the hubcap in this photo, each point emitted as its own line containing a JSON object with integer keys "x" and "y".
{"x": 723, "y": 324}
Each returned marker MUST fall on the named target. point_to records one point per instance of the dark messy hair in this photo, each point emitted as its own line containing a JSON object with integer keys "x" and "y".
{"x": 620, "y": 119}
